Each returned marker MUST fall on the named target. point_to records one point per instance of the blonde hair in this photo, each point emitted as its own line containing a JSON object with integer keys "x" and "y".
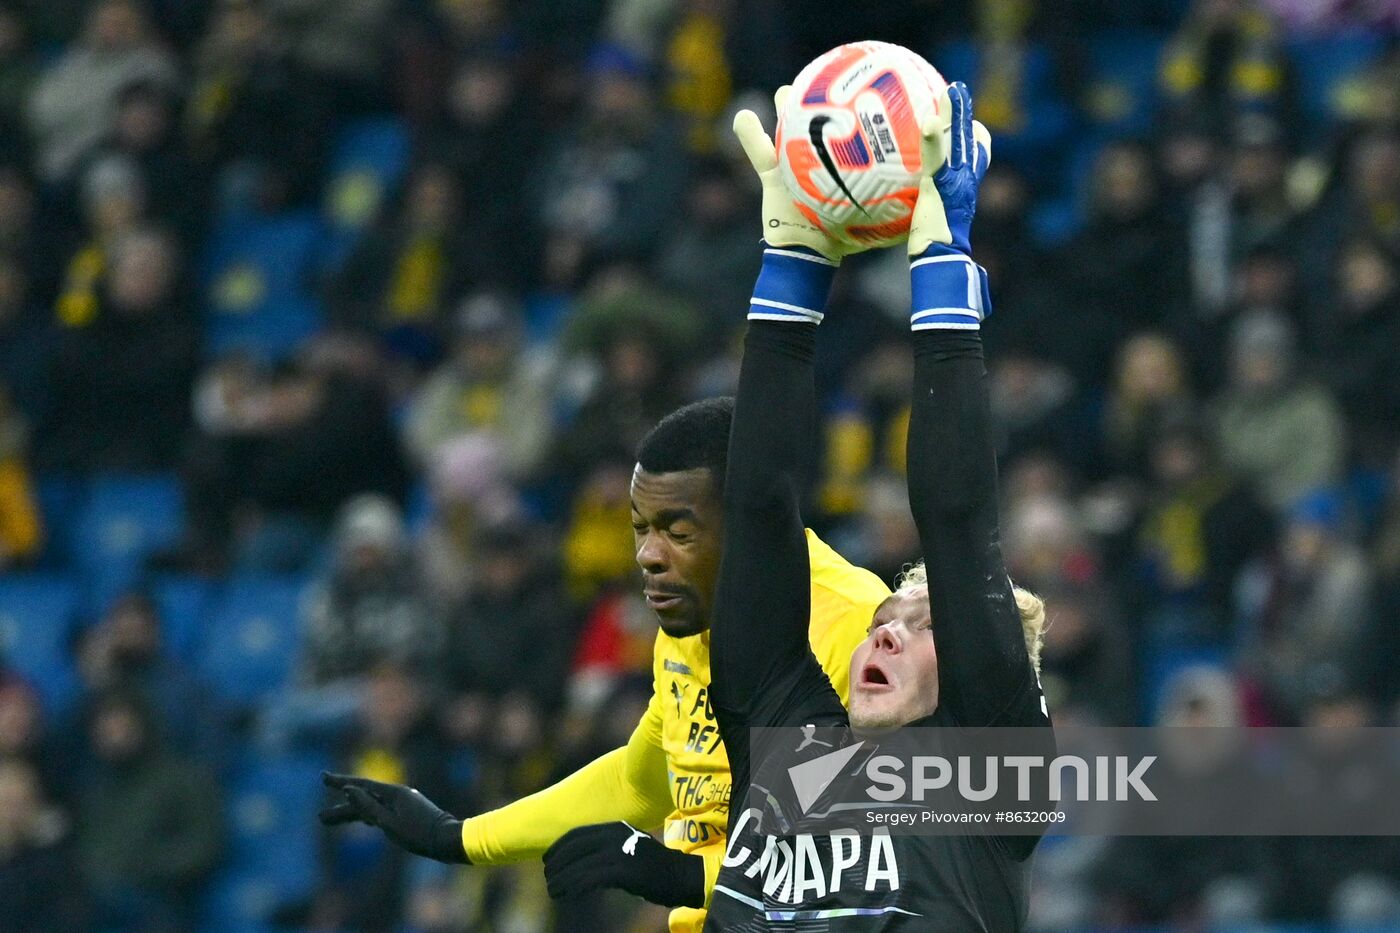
{"x": 1029, "y": 606}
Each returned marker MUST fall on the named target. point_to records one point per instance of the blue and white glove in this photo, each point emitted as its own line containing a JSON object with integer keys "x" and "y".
{"x": 949, "y": 289}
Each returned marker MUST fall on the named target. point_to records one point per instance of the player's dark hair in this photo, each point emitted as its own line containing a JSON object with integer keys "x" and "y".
{"x": 693, "y": 437}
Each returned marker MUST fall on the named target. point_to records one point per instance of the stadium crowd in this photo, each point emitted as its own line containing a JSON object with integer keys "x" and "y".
{"x": 328, "y": 329}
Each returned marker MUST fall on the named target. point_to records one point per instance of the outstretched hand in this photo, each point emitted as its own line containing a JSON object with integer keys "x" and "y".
{"x": 956, "y": 153}
{"x": 410, "y": 820}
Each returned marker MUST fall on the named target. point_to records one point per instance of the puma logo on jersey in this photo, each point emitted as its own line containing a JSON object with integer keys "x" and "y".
{"x": 630, "y": 846}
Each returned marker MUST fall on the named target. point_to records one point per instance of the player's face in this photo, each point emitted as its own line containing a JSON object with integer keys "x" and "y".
{"x": 677, "y": 525}
{"x": 894, "y": 672}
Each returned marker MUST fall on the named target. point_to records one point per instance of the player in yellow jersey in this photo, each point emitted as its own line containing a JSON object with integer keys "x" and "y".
{"x": 673, "y": 774}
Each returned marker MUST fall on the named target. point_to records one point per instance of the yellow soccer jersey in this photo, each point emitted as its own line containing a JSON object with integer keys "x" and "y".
{"x": 674, "y": 763}
{"x": 680, "y": 719}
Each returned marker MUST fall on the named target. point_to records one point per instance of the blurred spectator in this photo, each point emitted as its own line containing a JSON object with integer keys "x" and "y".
{"x": 39, "y": 883}
{"x": 21, "y": 527}
{"x": 151, "y": 826}
{"x": 476, "y": 134}
{"x": 490, "y": 385}
{"x": 1365, "y": 205}
{"x": 866, "y": 422}
{"x": 1265, "y": 280}
{"x": 470, "y": 491}
{"x": 1034, "y": 404}
{"x": 1085, "y": 664}
{"x": 1128, "y": 231}
{"x": 74, "y": 100}
{"x": 1226, "y": 59}
{"x": 370, "y": 609}
{"x": 25, "y": 737}
{"x": 636, "y": 339}
{"x": 1150, "y": 390}
{"x": 1015, "y": 262}
{"x": 598, "y": 187}
{"x": 1281, "y": 433}
{"x": 121, "y": 383}
{"x": 1045, "y": 540}
{"x": 1212, "y": 882}
{"x": 146, "y": 133}
{"x": 1311, "y": 614}
{"x": 1197, "y": 196}
{"x": 700, "y": 77}
{"x": 597, "y": 548}
{"x": 1262, "y": 209}
{"x": 1352, "y": 881}
{"x": 403, "y": 276}
{"x": 1359, "y": 347}
{"x": 279, "y": 454}
{"x": 883, "y": 538}
{"x": 342, "y": 44}
{"x": 393, "y": 739}
{"x": 1199, "y": 530}
{"x": 126, "y": 649}
{"x": 254, "y": 111}
{"x": 712, "y": 256}
{"x": 515, "y": 629}
{"x": 113, "y": 204}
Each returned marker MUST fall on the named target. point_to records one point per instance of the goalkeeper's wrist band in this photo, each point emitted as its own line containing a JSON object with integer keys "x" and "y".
{"x": 793, "y": 285}
{"x": 949, "y": 290}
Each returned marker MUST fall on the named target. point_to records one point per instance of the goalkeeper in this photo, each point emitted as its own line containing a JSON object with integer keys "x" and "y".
{"x": 956, "y": 648}
{"x": 673, "y": 774}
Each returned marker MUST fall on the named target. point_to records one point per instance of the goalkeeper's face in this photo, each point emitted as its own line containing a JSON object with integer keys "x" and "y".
{"x": 894, "y": 672}
{"x": 677, "y": 526}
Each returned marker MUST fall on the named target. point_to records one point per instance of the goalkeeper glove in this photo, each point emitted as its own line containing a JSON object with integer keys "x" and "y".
{"x": 949, "y": 289}
{"x": 783, "y": 224}
{"x": 616, "y": 855}
{"x": 961, "y": 148}
{"x": 410, "y": 820}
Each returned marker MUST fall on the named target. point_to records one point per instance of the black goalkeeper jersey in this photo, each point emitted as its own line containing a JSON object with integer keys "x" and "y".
{"x": 775, "y": 876}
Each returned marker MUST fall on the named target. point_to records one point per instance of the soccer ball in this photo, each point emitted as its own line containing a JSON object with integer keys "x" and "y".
{"x": 848, "y": 140}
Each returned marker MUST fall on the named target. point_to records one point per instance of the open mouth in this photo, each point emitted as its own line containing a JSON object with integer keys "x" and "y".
{"x": 873, "y": 678}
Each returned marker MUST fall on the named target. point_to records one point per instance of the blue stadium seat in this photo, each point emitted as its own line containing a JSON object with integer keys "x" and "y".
{"x": 60, "y": 501}
{"x": 271, "y": 809}
{"x": 184, "y": 603}
{"x": 250, "y": 643}
{"x": 371, "y": 156}
{"x": 1323, "y": 66}
{"x": 122, "y": 522}
{"x": 272, "y": 806}
{"x": 1120, "y": 93}
{"x": 1164, "y": 661}
{"x": 38, "y": 614}
{"x": 239, "y": 902}
{"x": 256, "y": 276}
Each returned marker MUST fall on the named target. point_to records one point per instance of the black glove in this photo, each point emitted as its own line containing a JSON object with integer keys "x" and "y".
{"x": 409, "y": 819}
{"x": 614, "y": 855}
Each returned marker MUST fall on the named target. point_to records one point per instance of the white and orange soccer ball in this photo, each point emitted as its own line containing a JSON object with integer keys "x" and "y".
{"x": 848, "y": 140}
